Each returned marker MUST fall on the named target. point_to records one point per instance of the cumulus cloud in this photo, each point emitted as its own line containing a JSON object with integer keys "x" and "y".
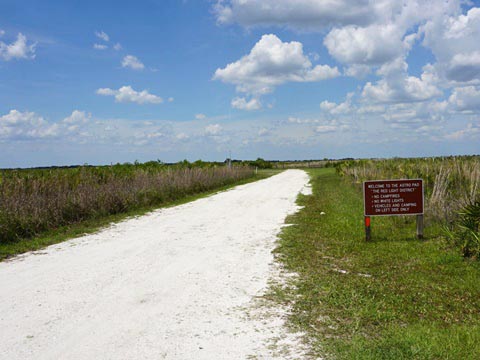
{"x": 77, "y": 117}
{"x": 213, "y": 129}
{"x": 373, "y": 45}
{"x": 465, "y": 99}
{"x": 102, "y": 36}
{"x": 300, "y": 14}
{"x": 17, "y": 125}
{"x": 454, "y": 40}
{"x": 127, "y": 94}
{"x": 270, "y": 63}
{"x": 200, "y": 116}
{"x": 132, "y": 62}
{"x": 464, "y": 67}
{"x": 397, "y": 86}
{"x": 19, "y": 49}
{"x": 338, "y": 109}
{"x": 361, "y": 32}
{"x": 242, "y": 104}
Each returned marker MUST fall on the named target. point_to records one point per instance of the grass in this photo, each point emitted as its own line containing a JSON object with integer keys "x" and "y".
{"x": 450, "y": 182}
{"x": 37, "y": 200}
{"x": 62, "y": 233}
{"x": 392, "y": 298}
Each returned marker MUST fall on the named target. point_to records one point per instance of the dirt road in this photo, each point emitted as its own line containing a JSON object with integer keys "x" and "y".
{"x": 173, "y": 284}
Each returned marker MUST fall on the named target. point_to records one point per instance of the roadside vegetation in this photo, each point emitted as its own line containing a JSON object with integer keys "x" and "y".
{"x": 394, "y": 297}
{"x": 452, "y": 191}
{"x": 40, "y": 201}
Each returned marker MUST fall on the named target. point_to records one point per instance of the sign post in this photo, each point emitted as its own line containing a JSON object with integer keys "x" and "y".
{"x": 393, "y": 197}
{"x": 368, "y": 231}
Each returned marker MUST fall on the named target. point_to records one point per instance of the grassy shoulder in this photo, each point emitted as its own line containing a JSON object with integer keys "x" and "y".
{"x": 64, "y": 233}
{"x": 392, "y": 298}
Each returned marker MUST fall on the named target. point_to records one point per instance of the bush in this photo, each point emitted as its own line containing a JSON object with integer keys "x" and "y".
{"x": 261, "y": 164}
{"x": 465, "y": 234}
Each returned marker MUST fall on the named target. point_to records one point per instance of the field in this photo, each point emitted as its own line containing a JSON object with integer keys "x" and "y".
{"x": 395, "y": 297}
{"x": 36, "y": 201}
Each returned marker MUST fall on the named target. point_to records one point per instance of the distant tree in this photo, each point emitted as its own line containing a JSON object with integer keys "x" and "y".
{"x": 261, "y": 164}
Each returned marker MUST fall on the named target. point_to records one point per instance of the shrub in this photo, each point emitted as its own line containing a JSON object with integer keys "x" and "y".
{"x": 261, "y": 164}
{"x": 465, "y": 233}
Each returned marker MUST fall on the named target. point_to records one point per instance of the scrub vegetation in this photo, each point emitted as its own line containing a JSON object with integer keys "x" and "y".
{"x": 394, "y": 297}
{"x": 34, "y": 201}
{"x": 452, "y": 191}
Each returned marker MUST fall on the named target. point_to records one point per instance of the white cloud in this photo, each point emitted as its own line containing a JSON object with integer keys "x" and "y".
{"x": 171, "y": 99}
{"x": 100, "y": 47}
{"x": 358, "y": 71}
{"x": 213, "y": 129}
{"x": 17, "y": 125}
{"x": 295, "y": 120}
{"x": 200, "y": 116}
{"x": 117, "y": 47}
{"x": 19, "y": 49}
{"x": 102, "y": 35}
{"x": 2, "y": 32}
{"x": 325, "y": 129}
{"x": 454, "y": 40}
{"x": 464, "y": 67}
{"x": 77, "y": 117}
{"x": 132, "y": 62}
{"x": 465, "y": 99}
{"x": 361, "y": 32}
{"x": 421, "y": 117}
{"x": 338, "y": 109}
{"x": 472, "y": 130}
{"x": 397, "y": 86}
{"x": 270, "y": 63}
{"x": 263, "y": 132}
{"x": 242, "y": 104}
{"x": 373, "y": 45}
{"x": 371, "y": 109}
{"x": 182, "y": 136}
{"x": 300, "y": 14}
{"x": 127, "y": 94}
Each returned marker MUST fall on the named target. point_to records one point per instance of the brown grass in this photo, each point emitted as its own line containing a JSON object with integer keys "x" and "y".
{"x": 33, "y": 201}
{"x": 450, "y": 182}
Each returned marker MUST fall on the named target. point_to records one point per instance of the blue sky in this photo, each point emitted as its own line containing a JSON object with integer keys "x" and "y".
{"x": 101, "y": 82}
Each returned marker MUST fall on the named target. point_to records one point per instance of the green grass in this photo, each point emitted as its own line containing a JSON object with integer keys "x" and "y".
{"x": 89, "y": 226}
{"x": 395, "y": 297}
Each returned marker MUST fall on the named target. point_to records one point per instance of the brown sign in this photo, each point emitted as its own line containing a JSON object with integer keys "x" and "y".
{"x": 393, "y": 197}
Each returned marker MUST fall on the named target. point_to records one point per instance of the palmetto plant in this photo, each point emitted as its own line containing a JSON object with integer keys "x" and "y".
{"x": 466, "y": 233}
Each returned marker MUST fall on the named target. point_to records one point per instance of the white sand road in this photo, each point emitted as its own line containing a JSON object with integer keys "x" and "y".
{"x": 176, "y": 283}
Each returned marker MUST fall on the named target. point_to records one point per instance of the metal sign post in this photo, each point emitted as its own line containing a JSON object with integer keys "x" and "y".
{"x": 368, "y": 232}
{"x": 393, "y": 197}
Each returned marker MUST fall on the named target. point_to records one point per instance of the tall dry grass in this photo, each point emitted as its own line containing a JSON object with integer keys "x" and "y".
{"x": 450, "y": 183}
{"x": 32, "y": 201}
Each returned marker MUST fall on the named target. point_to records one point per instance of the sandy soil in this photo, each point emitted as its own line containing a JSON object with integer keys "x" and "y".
{"x": 177, "y": 283}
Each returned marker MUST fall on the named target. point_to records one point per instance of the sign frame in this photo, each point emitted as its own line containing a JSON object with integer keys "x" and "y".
{"x": 419, "y": 215}
{"x": 400, "y": 214}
